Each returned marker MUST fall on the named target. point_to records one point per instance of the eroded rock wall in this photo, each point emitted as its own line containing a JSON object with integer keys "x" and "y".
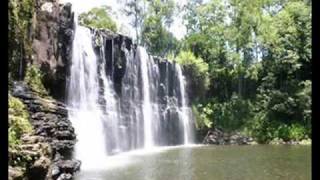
{"x": 51, "y": 144}
{"x": 52, "y": 43}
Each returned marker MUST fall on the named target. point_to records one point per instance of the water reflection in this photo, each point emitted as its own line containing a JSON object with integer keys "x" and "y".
{"x": 186, "y": 163}
{"x": 208, "y": 162}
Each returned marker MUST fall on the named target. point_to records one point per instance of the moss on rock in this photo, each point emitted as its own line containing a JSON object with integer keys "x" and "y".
{"x": 20, "y": 44}
{"x": 18, "y": 121}
{"x": 34, "y": 79}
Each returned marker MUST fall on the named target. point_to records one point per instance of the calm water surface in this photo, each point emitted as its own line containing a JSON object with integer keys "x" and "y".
{"x": 208, "y": 163}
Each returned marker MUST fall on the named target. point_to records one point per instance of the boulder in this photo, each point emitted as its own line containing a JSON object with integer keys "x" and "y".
{"x": 65, "y": 176}
{"x": 68, "y": 166}
{"x": 16, "y": 173}
{"x": 55, "y": 172}
{"x": 217, "y": 137}
{"x": 39, "y": 169}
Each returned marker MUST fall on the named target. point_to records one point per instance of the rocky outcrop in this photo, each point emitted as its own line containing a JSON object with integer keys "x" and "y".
{"x": 32, "y": 159}
{"x": 52, "y": 43}
{"x": 217, "y": 137}
{"x": 50, "y": 147}
{"x": 15, "y": 173}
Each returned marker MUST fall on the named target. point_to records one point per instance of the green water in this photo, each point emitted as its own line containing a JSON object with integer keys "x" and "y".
{"x": 209, "y": 163}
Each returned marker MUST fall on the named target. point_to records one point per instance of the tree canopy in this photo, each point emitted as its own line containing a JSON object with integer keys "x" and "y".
{"x": 98, "y": 18}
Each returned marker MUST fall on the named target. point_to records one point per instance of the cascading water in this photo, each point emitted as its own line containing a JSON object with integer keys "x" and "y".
{"x": 84, "y": 111}
{"x": 184, "y": 110}
{"x": 121, "y": 99}
{"x": 147, "y": 109}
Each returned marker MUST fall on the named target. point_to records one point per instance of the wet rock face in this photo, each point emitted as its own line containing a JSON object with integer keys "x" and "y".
{"x": 217, "y": 137}
{"x": 54, "y": 138}
{"x": 124, "y": 69}
{"x": 115, "y": 46}
{"x": 52, "y": 43}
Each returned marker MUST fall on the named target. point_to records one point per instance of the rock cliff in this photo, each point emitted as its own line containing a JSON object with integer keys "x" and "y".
{"x": 52, "y": 43}
{"x": 50, "y": 146}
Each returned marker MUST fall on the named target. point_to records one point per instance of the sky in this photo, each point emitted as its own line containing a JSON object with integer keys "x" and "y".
{"x": 177, "y": 28}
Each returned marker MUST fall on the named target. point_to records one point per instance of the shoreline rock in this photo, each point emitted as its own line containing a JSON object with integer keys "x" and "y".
{"x": 218, "y": 137}
{"x": 291, "y": 142}
{"x": 50, "y": 147}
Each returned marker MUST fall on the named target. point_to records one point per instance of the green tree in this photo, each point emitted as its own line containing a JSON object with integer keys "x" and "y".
{"x": 155, "y": 35}
{"x": 259, "y": 52}
{"x": 196, "y": 71}
{"x": 98, "y": 18}
{"x": 136, "y": 10}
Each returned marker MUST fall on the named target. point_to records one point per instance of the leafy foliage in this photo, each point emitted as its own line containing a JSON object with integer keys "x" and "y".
{"x": 259, "y": 58}
{"x": 19, "y": 36}
{"x": 203, "y": 116}
{"x": 196, "y": 72}
{"x": 34, "y": 79}
{"x": 135, "y": 10}
{"x": 18, "y": 121}
{"x": 155, "y": 35}
{"x": 98, "y": 18}
{"x": 231, "y": 115}
{"x": 158, "y": 40}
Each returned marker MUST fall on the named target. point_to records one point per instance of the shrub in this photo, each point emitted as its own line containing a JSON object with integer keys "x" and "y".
{"x": 196, "y": 70}
{"x": 202, "y": 116}
{"x": 265, "y": 130}
{"x": 187, "y": 58}
{"x": 297, "y": 132}
{"x": 34, "y": 79}
{"x": 261, "y": 128}
{"x": 18, "y": 121}
{"x": 229, "y": 116}
{"x": 98, "y": 18}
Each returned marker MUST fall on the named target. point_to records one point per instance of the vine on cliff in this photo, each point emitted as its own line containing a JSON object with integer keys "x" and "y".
{"x": 19, "y": 29}
{"x": 34, "y": 79}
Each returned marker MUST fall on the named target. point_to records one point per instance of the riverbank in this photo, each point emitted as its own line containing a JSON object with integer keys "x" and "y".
{"x": 45, "y": 152}
{"x": 218, "y": 137}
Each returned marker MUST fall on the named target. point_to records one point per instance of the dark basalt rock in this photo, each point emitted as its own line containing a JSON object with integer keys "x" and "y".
{"x": 218, "y": 137}
{"x": 54, "y": 137}
{"x": 64, "y": 176}
{"x": 52, "y": 43}
{"x": 64, "y": 147}
{"x": 68, "y": 166}
{"x": 114, "y": 47}
{"x": 39, "y": 169}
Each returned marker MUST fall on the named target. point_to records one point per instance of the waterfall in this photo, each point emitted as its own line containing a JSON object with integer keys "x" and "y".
{"x": 147, "y": 109}
{"x": 184, "y": 112}
{"x": 110, "y": 105}
{"x": 84, "y": 110}
{"x": 121, "y": 98}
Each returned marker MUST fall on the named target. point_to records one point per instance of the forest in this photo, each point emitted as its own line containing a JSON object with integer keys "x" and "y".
{"x": 250, "y": 61}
